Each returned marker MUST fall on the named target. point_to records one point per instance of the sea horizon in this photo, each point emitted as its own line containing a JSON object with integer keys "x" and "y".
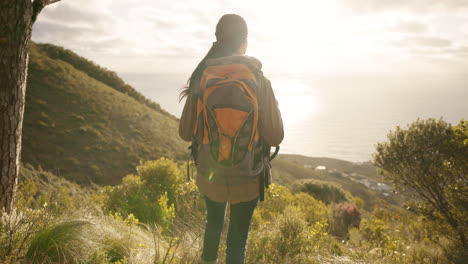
{"x": 338, "y": 115}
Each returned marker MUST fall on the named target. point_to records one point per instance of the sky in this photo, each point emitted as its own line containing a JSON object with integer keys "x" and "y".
{"x": 156, "y": 36}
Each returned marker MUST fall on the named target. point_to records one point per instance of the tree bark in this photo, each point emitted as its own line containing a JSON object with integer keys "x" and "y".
{"x": 15, "y": 35}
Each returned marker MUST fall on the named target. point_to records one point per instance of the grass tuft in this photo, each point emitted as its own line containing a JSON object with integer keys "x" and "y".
{"x": 56, "y": 243}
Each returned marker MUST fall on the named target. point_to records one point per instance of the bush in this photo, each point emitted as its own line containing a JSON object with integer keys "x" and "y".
{"x": 345, "y": 216}
{"x": 393, "y": 235}
{"x": 38, "y": 188}
{"x": 161, "y": 176}
{"x": 324, "y": 191}
{"x": 16, "y": 230}
{"x": 287, "y": 239}
{"x": 150, "y": 195}
{"x": 278, "y": 198}
{"x": 49, "y": 224}
{"x": 430, "y": 158}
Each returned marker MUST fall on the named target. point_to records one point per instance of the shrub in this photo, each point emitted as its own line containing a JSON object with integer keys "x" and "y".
{"x": 99, "y": 257}
{"x": 324, "y": 191}
{"x": 150, "y": 195}
{"x": 16, "y": 230}
{"x": 430, "y": 158}
{"x": 37, "y": 188}
{"x": 287, "y": 239}
{"x": 393, "y": 235}
{"x": 375, "y": 231}
{"x": 161, "y": 176}
{"x": 345, "y": 216}
{"x": 278, "y": 198}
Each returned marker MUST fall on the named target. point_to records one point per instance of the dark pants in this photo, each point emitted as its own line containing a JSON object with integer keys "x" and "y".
{"x": 239, "y": 224}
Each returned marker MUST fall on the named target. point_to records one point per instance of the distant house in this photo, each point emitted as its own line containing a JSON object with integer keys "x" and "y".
{"x": 384, "y": 187}
{"x": 366, "y": 182}
{"x": 320, "y": 168}
{"x": 307, "y": 166}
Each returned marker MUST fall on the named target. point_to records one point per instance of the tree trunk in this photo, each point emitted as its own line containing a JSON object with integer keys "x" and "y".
{"x": 15, "y": 34}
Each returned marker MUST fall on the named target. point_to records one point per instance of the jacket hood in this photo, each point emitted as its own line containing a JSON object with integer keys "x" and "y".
{"x": 252, "y": 62}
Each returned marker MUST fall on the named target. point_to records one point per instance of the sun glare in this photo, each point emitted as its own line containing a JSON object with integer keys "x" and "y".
{"x": 296, "y": 100}
{"x": 301, "y": 36}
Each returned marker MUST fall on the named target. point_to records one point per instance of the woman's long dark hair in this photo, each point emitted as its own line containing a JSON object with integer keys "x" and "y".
{"x": 231, "y": 31}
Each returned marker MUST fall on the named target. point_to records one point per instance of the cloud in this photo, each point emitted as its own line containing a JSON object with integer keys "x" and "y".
{"x": 71, "y": 14}
{"x": 107, "y": 31}
{"x": 460, "y": 52}
{"x": 464, "y": 28}
{"x": 174, "y": 35}
{"x": 414, "y": 6}
{"x": 81, "y": 26}
{"x": 421, "y": 41}
{"x": 409, "y": 27}
{"x": 48, "y": 30}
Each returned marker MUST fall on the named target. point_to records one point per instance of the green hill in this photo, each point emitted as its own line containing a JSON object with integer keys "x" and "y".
{"x": 84, "y": 123}
{"x": 100, "y": 74}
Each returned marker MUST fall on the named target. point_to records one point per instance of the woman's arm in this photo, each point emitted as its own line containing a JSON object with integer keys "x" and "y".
{"x": 270, "y": 121}
{"x": 187, "y": 120}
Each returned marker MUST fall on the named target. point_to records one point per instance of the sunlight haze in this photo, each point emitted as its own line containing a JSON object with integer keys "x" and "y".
{"x": 288, "y": 36}
{"x": 344, "y": 72}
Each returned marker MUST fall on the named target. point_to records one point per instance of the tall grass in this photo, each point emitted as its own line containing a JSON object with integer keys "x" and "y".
{"x": 60, "y": 242}
{"x": 287, "y": 227}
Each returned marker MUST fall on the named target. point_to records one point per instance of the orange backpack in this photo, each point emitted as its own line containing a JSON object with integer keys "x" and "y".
{"x": 226, "y": 141}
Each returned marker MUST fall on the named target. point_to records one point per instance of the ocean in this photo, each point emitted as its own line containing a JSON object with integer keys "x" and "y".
{"x": 340, "y": 115}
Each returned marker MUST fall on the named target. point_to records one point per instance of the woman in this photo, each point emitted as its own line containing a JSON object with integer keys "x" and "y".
{"x": 230, "y": 47}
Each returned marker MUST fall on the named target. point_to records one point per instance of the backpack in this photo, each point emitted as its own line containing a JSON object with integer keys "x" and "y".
{"x": 226, "y": 145}
{"x": 226, "y": 127}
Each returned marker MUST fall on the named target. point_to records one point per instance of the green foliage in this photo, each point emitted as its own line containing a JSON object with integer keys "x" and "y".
{"x": 376, "y": 231}
{"x": 37, "y": 223}
{"x": 189, "y": 203}
{"x": 38, "y": 188}
{"x": 461, "y": 134}
{"x": 17, "y": 229}
{"x": 278, "y": 197}
{"x": 358, "y": 202}
{"x": 392, "y": 235}
{"x": 26, "y": 190}
{"x": 161, "y": 176}
{"x": 457, "y": 191}
{"x": 431, "y": 158}
{"x": 99, "y": 257}
{"x": 56, "y": 243}
{"x": 287, "y": 228}
{"x": 326, "y": 192}
{"x": 287, "y": 239}
{"x": 41, "y": 199}
{"x": 150, "y": 195}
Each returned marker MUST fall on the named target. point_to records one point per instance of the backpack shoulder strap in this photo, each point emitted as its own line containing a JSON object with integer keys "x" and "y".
{"x": 277, "y": 148}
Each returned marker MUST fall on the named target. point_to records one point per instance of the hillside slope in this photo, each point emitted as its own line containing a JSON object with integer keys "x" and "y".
{"x": 80, "y": 128}
{"x": 95, "y": 71}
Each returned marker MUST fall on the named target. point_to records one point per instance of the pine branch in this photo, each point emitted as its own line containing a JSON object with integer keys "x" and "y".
{"x": 38, "y": 5}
